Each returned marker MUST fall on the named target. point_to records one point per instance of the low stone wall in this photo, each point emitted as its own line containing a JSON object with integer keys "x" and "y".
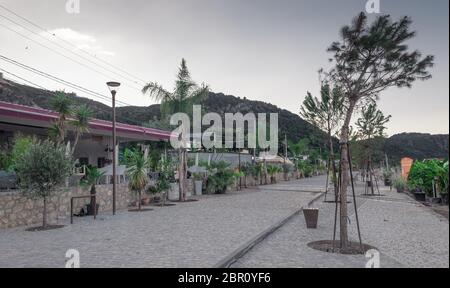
{"x": 17, "y": 210}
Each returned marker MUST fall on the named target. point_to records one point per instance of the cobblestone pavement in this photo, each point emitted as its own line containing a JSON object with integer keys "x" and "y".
{"x": 406, "y": 233}
{"x": 196, "y": 234}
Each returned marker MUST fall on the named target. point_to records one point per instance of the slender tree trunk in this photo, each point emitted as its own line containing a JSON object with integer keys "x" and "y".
{"x": 182, "y": 176}
{"x": 75, "y": 143}
{"x": 333, "y": 165}
{"x": 139, "y": 201}
{"x": 345, "y": 181}
{"x": 44, "y": 214}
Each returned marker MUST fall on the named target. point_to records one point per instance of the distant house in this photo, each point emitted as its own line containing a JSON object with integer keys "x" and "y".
{"x": 94, "y": 148}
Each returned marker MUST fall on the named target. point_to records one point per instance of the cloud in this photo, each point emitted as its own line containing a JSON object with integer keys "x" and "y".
{"x": 82, "y": 41}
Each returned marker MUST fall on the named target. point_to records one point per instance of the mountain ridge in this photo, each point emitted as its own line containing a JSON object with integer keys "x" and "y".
{"x": 415, "y": 145}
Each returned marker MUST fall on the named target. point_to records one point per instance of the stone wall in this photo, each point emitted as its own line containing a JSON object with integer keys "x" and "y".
{"x": 17, "y": 210}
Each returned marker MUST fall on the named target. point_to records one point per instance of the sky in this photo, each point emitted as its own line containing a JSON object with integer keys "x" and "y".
{"x": 267, "y": 50}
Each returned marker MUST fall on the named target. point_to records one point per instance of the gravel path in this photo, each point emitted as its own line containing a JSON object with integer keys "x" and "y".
{"x": 197, "y": 234}
{"x": 406, "y": 234}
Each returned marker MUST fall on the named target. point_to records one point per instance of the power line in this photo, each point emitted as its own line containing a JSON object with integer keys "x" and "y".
{"x": 59, "y": 80}
{"x": 68, "y": 50}
{"x": 69, "y": 43}
{"x": 59, "y": 53}
{"x": 50, "y": 93}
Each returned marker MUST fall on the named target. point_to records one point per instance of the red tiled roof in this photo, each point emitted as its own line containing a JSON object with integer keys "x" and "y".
{"x": 39, "y": 114}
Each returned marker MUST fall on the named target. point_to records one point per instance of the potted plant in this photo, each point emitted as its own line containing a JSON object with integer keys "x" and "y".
{"x": 415, "y": 189}
{"x": 400, "y": 184}
{"x": 220, "y": 177}
{"x": 198, "y": 183}
{"x": 166, "y": 183}
{"x": 443, "y": 183}
{"x": 93, "y": 176}
{"x": 137, "y": 165}
{"x": 387, "y": 176}
{"x": 272, "y": 171}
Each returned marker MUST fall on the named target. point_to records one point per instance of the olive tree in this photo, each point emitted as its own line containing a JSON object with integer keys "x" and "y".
{"x": 368, "y": 59}
{"x": 42, "y": 171}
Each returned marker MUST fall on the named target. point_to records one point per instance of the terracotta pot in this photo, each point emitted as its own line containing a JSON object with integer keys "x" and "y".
{"x": 145, "y": 201}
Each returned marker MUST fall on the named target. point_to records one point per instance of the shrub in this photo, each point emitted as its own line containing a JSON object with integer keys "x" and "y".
{"x": 400, "y": 184}
{"x": 423, "y": 173}
{"x": 220, "y": 178}
{"x": 42, "y": 169}
{"x": 5, "y": 159}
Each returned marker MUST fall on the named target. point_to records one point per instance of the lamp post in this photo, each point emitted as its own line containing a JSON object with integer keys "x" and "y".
{"x": 113, "y": 87}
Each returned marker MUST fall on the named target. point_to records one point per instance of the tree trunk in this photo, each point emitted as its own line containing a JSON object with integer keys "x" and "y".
{"x": 182, "y": 174}
{"x": 139, "y": 201}
{"x": 44, "y": 214}
{"x": 93, "y": 201}
{"x": 333, "y": 165}
{"x": 345, "y": 180}
{"x": 75, "y": 143}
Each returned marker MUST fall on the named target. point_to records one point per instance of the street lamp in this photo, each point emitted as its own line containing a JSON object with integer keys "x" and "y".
{"x": 113, "y": 87}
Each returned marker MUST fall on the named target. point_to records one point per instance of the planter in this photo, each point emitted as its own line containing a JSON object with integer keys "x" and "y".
{"x": 444, "y": 199}
{"x": 174, "y": 192}
{"x": 420, "y": 196}
{"x": 311, "y": 217}
{"x": 400, "y": 190}
{"x": 387, "y": 182}
{"x": 433, "y": 200}
{"x": 198, "y": 186}
{"x": 90, "y": 210}
{"x": 145, "y": 201}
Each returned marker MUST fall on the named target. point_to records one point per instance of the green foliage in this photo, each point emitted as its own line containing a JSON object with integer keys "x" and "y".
{"x": 372, "y": 57}
{"x": 387, "y": 174}
{"x": 184, "y": 95}
{"x": 43, "y": 168}
{"x": 372, "y": 122}
{"x": 325, "y": 112}
{"x": 301, "y": 148}
{"x": 443, "y": 179}
{"x": 137, "y": 165}
{"x": 5, "y": 159}
{"x": 62, "y": 104}
{"x": 82, "y": 115}
{"x": 423, "y": 173}
{"x": 21, "y": 145}
{"x": 166, "y": 175}
{"x": 400, "y": 184}
{"x": 93, "y": 175}
{"x": 305, "y": 168}
{"x": 221, "y": 176}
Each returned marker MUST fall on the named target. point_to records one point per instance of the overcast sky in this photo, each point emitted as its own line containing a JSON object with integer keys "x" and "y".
{"x": 268, "y": 50}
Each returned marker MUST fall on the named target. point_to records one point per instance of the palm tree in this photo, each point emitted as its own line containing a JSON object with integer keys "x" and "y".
{"x": 272, "y": 171}
{"x": 93, "y": 175}
{"x": 180, "y": 100}
{"x": 62, "y": 104}
{"x": 137, "y": 165}
{"x": 184, "y": 95}
{"x": 81, "y": 115}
